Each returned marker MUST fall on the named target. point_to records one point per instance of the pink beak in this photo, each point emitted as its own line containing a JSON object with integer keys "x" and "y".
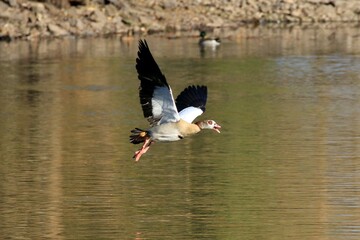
{"x": 216, "y": 128}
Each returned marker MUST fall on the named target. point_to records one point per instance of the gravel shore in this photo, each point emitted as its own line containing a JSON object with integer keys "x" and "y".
{"x": 20, "y": 19}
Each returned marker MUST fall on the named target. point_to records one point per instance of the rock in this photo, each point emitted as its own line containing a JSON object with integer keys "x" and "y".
{"x": 97, "y": 27}
{"x": 265, "y": 7}
{"x": 53, "y": 10}
{"x": 325, "y": 13}
{"x": 23, "y": 30}
{"x": 7, "y": 32}
{"x": 169, "y": 4}
{"x": 348, "y": 10}
{"x": 292, "y": 19}
{"x": 3, "y": 6}
{"x": 252, "y": 4}
{"x": 31, "y": 17}
{"x": 155, "y": 28}
{"x": 123, "y": 5}
{"x": 97, "y": 15}
{"x": 37, "y": 7}
{"x": 322, "y": 2}
{"x": 146, "y": 20}
{"x": 308, "y": 11}
{"x": 56, "y": 30}
{"x": 12, "y": 3}
{"x": 119, "y": 26}
{"x": 33, "y": 34}
{"x": 111, "y": 10}
{"x": 80, "y": 25}
{"x": 216, "y": 22}
{"x": 296, "y": 13}
{"x": 9, "y": 14}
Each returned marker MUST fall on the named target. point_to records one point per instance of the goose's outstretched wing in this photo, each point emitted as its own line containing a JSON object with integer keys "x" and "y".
{"x": 155, "y": 94}
{"x": 191, "y": 102}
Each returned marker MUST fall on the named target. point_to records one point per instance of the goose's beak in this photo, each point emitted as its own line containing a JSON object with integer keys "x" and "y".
{"x": 217, "y": 128}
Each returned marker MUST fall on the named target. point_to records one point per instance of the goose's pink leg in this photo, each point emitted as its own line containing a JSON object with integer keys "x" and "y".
{"x": 142, "y": 150}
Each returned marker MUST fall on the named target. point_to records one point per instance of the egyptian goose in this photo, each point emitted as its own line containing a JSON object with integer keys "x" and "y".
{"x": 208, "y": 42}
{"x": 169, "y": 120}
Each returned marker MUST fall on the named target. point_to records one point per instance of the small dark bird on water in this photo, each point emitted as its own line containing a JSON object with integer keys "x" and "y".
{"x": 208, "y": 42}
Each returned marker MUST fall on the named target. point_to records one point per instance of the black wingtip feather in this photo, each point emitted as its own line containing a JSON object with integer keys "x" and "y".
{"x": 150, "y": 77}
{"x": 147, "y": 68}
{"x": 192, "y": 96}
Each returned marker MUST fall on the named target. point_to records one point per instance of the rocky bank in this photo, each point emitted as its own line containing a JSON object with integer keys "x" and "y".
{"x": 20, "y": 19}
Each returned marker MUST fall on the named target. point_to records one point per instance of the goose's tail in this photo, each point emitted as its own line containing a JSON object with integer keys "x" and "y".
{"x": 138, "y": 136}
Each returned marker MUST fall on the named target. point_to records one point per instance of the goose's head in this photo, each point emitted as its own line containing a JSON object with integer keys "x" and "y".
{"x": 202, "y": 34}
{"x": 209, "y": 124}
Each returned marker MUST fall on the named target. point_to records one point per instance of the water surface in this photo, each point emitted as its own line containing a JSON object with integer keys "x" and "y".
{"x": 286, "y": 165}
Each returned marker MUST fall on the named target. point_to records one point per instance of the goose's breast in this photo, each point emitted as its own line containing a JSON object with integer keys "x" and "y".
{"x": 165, "y": 133}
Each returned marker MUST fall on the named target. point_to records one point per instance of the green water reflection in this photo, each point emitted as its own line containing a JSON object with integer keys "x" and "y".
{"x": 284, "y": 167}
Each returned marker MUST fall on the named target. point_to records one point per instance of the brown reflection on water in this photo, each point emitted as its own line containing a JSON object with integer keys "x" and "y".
{"x": 284, "y": 166}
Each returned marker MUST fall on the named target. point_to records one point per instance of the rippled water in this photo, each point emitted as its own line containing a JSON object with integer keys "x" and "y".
{"x": 286, "y": 165}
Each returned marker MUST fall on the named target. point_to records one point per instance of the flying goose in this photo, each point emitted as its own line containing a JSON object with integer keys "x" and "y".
{"x": 169, "y": 120}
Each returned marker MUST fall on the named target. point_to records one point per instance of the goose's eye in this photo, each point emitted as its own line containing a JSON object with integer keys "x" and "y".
{"x": 210, "y": 122}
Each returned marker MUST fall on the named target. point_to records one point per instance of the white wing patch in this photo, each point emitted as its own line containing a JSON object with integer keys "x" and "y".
{"x": 190, "y": 113}
{"x": 163, "y": 105}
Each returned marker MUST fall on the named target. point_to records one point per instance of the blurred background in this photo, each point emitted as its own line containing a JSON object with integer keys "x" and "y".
{"x": 58, "y": 18}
